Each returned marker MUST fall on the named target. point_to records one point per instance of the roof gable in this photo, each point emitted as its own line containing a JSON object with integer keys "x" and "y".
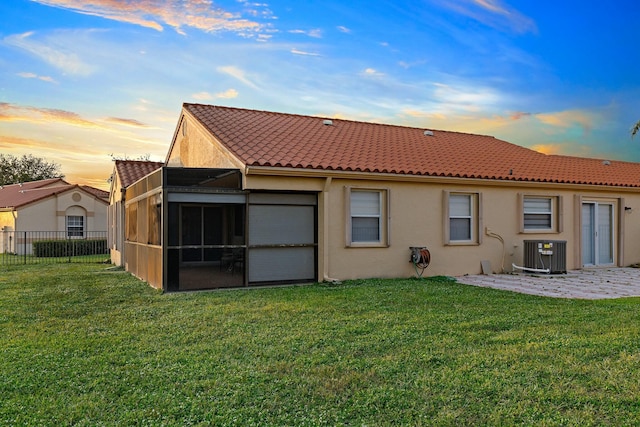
{"x": 18, "y": 195}
{"x": 130, "y": 171}
{"x": 261, "y": 138}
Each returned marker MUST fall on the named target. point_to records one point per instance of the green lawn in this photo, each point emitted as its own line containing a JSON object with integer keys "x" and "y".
{"x": 84, "y": 345}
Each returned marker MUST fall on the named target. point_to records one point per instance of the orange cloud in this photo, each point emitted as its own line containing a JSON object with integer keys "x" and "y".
{"x": 548, "y": 148}
{"x": 569, "y": 118}
{"x": 202, "y": 15}
{"x": 11, "y": 112}
{"x": 126, "y": 122}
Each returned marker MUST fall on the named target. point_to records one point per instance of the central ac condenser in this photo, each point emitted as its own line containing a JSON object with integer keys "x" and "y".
{"x": 546, "y": 254}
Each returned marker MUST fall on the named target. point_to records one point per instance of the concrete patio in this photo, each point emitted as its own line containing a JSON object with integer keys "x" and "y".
{"x": 600, "y": 283}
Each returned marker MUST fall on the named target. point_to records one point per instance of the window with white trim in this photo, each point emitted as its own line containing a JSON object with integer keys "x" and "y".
{"x": 537, "y": 213}
{"x": 460, "y": 218}
{"x": 462, "y": 214}
{"x": 75, "y": 226}
{"x": 366, "y": 215}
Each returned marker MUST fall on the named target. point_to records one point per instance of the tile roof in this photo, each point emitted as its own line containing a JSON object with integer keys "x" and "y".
{"x": 18, "y": 195}
{"x": 101, "y": 194}
{"x": 262, "y": 138}
{"x": 130, "y": 171}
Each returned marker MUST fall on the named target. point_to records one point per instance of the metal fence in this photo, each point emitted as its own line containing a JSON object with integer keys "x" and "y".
{"x": 35, "y": 247}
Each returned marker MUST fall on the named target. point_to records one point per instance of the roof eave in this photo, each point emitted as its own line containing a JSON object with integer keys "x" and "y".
{"x": 377, "y": 176}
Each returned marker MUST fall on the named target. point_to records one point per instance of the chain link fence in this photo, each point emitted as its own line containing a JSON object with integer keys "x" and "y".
{"x": 35, "y": 247}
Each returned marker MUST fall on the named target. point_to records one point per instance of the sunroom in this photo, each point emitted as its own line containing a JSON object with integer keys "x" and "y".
{"x": 196, "y": 228}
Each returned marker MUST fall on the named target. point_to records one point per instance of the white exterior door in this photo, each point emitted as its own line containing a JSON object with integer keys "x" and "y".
{"x": 597, "y": 234}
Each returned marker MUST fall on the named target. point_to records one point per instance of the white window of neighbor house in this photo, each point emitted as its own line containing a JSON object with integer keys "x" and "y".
{"x": 75, "y": 226}
{"x": 367, "y": 217}
{"x": 538, "y": 213}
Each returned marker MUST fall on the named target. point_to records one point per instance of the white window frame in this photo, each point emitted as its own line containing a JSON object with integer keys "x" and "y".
{"x": 382, "y": 216}
{"x": 474, "y": 217}
{"x": 74, "y": 229}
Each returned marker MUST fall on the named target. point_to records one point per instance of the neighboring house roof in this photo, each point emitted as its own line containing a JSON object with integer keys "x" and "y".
{"x": 18, "y": 195}
{"x": 130, "y": 171}
{"x": 261, "y": 138}
{"x": 100, "y": 194}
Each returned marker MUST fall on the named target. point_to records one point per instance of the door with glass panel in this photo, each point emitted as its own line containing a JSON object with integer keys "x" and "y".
{"x": 597, "y": 234}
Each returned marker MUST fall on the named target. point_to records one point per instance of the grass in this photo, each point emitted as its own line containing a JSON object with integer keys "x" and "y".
{"x": 85, "y": 345}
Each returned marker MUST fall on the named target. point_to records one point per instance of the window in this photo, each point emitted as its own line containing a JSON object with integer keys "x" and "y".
{"x": 75, "y": 226}
{"x": 540, "y": 213}
{"x": 462, "y": 218}
{"x": 537, "y": 213}
{"x": 366, "y": 217}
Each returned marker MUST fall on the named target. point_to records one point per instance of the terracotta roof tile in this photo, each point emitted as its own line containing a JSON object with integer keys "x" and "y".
{"x": 101, "y": 194}
{"x": 18, "y": 195}
{"x": 262, "y": 138}
{"x": 130, "y": 171}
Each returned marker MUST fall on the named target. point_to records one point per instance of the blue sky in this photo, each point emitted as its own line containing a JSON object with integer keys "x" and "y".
{"x": 83, "y": 80}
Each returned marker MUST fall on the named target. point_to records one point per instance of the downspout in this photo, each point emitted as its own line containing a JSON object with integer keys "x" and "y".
{"x": 325, "y": 231}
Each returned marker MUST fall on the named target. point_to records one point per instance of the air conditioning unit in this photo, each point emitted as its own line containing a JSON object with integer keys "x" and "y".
{"x": 546, "y": 254}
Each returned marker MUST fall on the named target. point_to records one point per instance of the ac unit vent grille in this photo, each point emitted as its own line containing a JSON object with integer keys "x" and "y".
{"x": 546, "y": 254}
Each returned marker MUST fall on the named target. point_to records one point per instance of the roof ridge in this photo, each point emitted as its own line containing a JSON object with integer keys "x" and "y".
{"x": 359, "y": 122}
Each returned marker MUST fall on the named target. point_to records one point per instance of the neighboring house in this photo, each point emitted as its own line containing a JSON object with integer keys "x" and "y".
{"x": 51, "y": 207}
{"x": 263, "y": 197}
{"x": 125, "y": 173}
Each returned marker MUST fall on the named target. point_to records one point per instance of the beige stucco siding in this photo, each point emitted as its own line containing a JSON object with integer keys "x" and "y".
{"x": 49, "y": 214}
{"x": 416, "y": 217}
{"x": 195, "y": 147}
{"x": 39, "y": 216}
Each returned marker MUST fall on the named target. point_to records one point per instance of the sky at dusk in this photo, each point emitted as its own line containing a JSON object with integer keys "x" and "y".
{"x": 82, "y": 81}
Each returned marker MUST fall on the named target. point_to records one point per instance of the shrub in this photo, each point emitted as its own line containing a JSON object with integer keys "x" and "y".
{"x": 66, "y": 248}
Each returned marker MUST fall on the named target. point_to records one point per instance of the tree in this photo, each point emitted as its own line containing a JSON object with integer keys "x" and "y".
{"x": 14, "y": 170}
{"x": 635, "y": 129}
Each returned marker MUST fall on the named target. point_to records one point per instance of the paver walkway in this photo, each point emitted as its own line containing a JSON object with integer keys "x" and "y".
{"x": 597, "y": 283}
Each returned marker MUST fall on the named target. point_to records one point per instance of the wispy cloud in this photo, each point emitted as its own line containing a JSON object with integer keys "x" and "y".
{"x": 206, "y": 96}
{"x": 126, "y": 122}
{"x": 47, "y": 79}
{"x": 302, "y": 52}
{"x": 50, "y": 51}
{"x": 343, "y": 29}
{"x": 11, "y": 112}
{"x": 371, "y": 72}
{"x": 569, "y": 118}
{"x": 202, "y": 15}
{"x": 237, "y": 74}
{"x": 18, "y": 113}
{"x": 494, "y": 13}
{"x": 315, "y": 33}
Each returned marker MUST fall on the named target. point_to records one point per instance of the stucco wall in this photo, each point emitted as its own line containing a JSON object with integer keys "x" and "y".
{"x": 194, "y": 147}
{"x": 49, "y": 214}
{"x": 416, "y": 218}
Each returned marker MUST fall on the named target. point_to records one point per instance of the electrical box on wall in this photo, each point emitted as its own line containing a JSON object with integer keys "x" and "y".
{"x": 546, "y": 255}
